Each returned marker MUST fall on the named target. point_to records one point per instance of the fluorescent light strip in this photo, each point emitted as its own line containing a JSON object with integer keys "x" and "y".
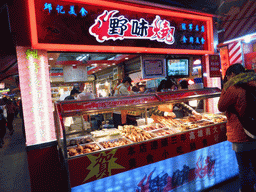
{"x": 34, "y": 93}
{"x": 46, "y": 119}
{"x": 240, "y": 38}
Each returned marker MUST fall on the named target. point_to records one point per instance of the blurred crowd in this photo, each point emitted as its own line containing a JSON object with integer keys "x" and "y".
{"x": 9, "y": 109}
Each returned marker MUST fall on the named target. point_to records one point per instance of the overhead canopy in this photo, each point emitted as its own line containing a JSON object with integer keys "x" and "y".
{"x": 8, "y": 58}
{"x": 8, "y": 66}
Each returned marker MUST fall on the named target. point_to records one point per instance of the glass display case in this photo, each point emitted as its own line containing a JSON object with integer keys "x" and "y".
{"x": 86, "y": 130}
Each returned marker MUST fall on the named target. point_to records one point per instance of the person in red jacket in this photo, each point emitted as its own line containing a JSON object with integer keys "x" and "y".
{"x": 233, "y": 98}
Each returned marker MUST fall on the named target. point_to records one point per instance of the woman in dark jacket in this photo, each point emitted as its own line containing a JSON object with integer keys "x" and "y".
{"x": 10, "y": 107}
{"x": 233, "y": 99}
{"x": 2, "y": 128}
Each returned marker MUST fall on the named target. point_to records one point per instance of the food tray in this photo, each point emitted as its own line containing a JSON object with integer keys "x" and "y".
{"x": 83, "y": 149}
{"x": 217, "y": 118}
{"x": 203, "y": 123}
{"x": 79, "y": 140}
{"x": 112, "y": 131}
{"x": 99, "y": 133}
{"x": 188, "y": 126}
{"x": 151, "y": 127}
{"x": 189, "y": 119}
{"x": 106, "y": 138}
{"x": 105, "y": 132}
{"x": 115, "y": 143}
{"x": 136, "y": 134}
{"x": 165, "y": 131}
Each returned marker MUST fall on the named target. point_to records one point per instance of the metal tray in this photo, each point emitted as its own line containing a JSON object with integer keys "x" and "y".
{"x": 139, "y": 138}
{"x": 79, "y": 140}
{"x": 105, "y": 133}
{"x": 88, "y": 146}
{"x": 203, "y": 123}
{"x": 106, "y": 138}
{"x": 115, "y": 143}
{"x": 152, "y": 127}
{"x": 164, "y": 132}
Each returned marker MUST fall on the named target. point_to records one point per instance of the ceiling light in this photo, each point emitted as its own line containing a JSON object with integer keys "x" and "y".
{"x": 197, "y": 62}
{"x": 191, "y": 82}
{"x": 82, "y": 57}
{"x": 112, "y": 58}
{"x": 247, "y": 39}
{"x": 126, "y": 58}
{"x": 78, "y": 58}
{"x": 51, "y": 59}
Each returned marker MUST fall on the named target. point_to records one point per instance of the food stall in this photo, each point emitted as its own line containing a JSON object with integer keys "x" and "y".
{"x": 181, "y": 159}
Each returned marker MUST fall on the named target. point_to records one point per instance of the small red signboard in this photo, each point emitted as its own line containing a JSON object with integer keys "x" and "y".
{"x": 214, "y": 66}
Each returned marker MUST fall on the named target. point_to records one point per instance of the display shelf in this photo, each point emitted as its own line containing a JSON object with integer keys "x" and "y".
{"x": 138, "y": 154}
{"x": 143, "y": 146}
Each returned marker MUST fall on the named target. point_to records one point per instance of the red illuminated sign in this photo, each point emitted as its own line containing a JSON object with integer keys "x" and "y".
{"x": 2, "y": 85}
{"x": 108, "y": 27}
{"x": 100, "y": 25}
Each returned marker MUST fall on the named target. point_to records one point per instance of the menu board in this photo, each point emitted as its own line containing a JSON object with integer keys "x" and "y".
{"x": 153, "y": 67}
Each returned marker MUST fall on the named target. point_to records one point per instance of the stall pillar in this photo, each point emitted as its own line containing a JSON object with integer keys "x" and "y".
{"x": 212, "y": 104}
{"x": 43, "y": 162}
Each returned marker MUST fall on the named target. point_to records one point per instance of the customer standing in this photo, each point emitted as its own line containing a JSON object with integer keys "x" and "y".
{"x": 2, "y": 128}
{"x": 73, "y": 94}
{"x": 10, "y": 107}
{"x": 232, "y": 101}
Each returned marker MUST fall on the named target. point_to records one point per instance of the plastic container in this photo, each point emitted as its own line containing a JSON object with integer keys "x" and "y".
{"x": 142, "y": 121}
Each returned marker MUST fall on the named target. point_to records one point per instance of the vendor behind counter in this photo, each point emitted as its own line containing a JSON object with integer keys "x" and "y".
{"x": 177, "y": 110}
{"x": 121, "y": 117}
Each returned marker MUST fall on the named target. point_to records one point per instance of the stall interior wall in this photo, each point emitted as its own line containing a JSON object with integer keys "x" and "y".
{"x": 134, "y": 65}
{"x": 238, "y": 52}
{"x": 133, "y": 68}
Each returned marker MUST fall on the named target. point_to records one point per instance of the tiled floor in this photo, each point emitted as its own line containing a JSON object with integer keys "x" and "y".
{"x": 231, "y": 185}
{"x": 14, "y": 175}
